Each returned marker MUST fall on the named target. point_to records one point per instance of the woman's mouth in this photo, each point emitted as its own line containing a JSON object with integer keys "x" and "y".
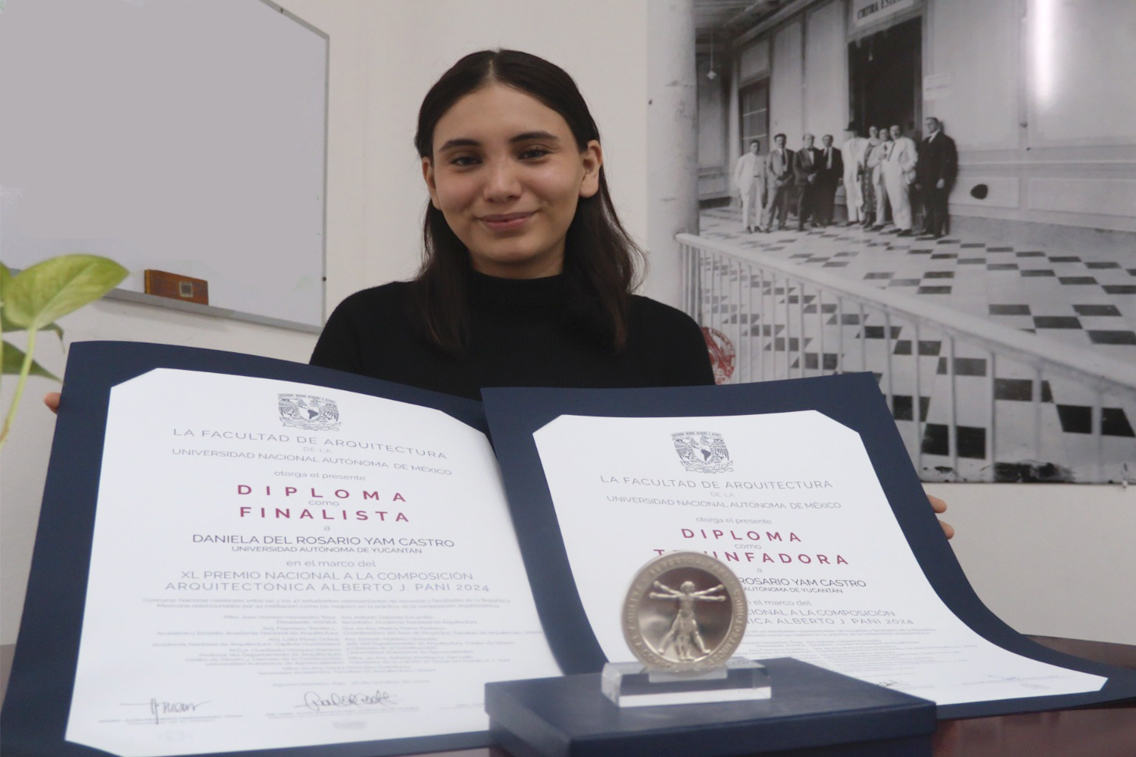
{"x": 506, "y": 221}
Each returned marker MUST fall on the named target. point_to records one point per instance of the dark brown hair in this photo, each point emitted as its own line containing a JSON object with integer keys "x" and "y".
{"x": 599, "y": 255}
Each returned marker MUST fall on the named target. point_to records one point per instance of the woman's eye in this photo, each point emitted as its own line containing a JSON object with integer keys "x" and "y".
{"x": 533, "y": 153}
{"x": 463, "y": 160}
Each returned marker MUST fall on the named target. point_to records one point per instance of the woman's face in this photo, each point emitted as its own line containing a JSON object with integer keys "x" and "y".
{"x": 507, "y": 175}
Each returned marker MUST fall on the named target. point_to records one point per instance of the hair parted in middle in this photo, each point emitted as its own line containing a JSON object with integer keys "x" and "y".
{"x": 599, "y": 255}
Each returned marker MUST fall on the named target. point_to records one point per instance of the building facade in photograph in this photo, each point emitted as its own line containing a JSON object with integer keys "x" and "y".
{"x": 993, "y": 293}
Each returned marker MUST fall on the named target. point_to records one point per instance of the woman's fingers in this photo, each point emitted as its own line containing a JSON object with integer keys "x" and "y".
{"x": 51, "y": 399}
{"x": 940, "y": 507}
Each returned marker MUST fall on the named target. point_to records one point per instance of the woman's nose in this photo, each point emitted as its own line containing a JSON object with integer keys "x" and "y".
{"x": 502, "y": 182}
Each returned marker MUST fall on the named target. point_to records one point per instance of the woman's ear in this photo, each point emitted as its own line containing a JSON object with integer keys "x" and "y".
{"x": 428, "y": 176}
{"x": 592, "y": 160}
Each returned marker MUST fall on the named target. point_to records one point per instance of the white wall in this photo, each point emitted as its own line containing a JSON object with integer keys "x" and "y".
{"x": 1078, "y": 49}
{"x": 712, "y": 139}
{"x": 786, "y": 100}
{"x": 826, "y": 73}
{"x": 715, "y": 169}
{"x": 966, "y": 41}
{"x": 670, "y": 134}
{"x": 1033, "y": 101}
{"x": 1049, "y": 559}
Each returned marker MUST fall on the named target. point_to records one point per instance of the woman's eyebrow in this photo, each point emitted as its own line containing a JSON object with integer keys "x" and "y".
{"x": 460, "y": 142}
{"x": 529, "y": 135}
{"x": 523, "y": 137}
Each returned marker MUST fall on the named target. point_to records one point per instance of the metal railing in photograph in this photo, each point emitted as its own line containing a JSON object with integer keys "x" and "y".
{"x": 786, "y": 321}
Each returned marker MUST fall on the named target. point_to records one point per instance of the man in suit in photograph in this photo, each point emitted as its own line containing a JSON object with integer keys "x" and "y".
{"x": 831, "y": 174}
{"x": 779, "y": 181}
{"x": 806, "y": 173}
{"x": 899, "y": 174}
{"x": 749, "y": 176}
{"x": 938, "y": 167}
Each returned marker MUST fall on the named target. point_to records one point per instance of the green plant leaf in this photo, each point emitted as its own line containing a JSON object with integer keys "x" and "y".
{"x": 6, "y": 325}
{"x": 44, "y": 292}
{"x": 5, "y": 280}
{"x": 14, "y": 361}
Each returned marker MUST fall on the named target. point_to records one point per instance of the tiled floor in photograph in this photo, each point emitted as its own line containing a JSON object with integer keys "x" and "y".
{"x": 1084, "y": 299}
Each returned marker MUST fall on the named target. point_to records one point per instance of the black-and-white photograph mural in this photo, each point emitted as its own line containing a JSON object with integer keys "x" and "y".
{"x": 940, "y": 192}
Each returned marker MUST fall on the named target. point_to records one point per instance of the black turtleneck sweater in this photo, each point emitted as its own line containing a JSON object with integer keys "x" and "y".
{"x": 521, "y": 333}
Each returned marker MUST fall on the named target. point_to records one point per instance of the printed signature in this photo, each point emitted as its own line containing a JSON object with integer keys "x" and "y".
{"x": 315, "y": 701}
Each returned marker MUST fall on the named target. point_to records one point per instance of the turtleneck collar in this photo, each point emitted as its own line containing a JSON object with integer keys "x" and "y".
{"x": 491, "y": 292}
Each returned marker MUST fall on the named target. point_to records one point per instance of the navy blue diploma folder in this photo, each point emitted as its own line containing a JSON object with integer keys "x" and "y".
{"x": 38, "y": 700}
{"x": 853, "y": 400}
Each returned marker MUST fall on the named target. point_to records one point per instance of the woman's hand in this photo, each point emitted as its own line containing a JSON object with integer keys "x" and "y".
{"x": 940, "y": 507}
{"x": 51, "y": 399}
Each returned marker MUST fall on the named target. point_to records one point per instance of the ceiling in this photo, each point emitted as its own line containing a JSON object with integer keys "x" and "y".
{"x": 725, "y": 19}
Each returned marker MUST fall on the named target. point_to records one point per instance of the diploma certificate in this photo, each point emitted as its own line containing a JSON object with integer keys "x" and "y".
{"x": 791, "y": 503}
{"x": 276, "y": 564}
{"x": 805, "y": 490}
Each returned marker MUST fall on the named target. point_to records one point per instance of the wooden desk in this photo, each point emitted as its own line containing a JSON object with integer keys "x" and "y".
{"x": 1109, "y": 731}
{"x": 1102, "y": 732}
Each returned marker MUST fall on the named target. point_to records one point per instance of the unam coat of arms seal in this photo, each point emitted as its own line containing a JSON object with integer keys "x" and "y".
{"x": 308, "y": 412}
{"x": 703, "y": 452}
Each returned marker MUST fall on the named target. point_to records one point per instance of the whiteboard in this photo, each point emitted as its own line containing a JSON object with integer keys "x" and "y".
{"x": 182, "y": 135}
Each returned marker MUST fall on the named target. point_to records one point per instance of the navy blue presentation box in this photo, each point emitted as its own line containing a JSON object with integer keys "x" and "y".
{"x": 813, "y": 713}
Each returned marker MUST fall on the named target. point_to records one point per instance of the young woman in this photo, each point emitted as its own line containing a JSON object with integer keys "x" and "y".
{"x": 528, "y": 273}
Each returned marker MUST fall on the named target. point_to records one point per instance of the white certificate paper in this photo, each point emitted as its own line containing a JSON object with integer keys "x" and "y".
{"x": 790, "y": 501}
{"x": 281, "y": 565}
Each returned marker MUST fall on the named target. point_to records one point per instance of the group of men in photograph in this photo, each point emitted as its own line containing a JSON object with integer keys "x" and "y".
{"x": 881, "y": 174}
